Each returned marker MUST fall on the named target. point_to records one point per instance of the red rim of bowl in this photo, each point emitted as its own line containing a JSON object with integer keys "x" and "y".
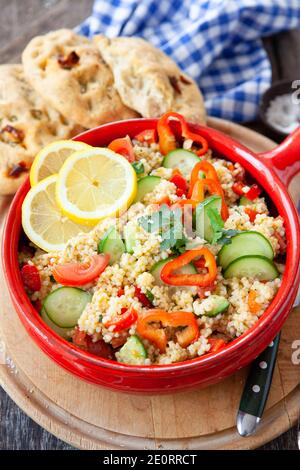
{"x": 277, "y": 310}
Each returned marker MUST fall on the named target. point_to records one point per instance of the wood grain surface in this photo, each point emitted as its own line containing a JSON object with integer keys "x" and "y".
{"x": 21, "y": 20}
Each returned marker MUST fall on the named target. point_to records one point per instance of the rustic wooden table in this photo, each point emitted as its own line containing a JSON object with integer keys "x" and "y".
{"x": 19, "y": 22}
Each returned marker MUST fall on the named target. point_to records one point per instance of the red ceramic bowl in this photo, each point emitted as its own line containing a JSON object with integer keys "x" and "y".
{"x": 273, "y": 171}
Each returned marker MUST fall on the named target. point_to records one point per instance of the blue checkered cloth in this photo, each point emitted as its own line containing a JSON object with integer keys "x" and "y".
{"x": 217, "y": 42}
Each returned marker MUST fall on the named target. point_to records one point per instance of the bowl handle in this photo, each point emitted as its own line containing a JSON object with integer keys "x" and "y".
{"x": 285, "y": 158}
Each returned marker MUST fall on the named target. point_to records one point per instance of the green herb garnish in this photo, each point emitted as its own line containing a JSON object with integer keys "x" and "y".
{"x": 149, "y": 295}
{"x": 168, "y": 223}
{"x": 138, "y": 168}
{"x": 220, "y": 236}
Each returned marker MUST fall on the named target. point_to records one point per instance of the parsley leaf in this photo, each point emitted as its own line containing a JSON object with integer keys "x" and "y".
{"x": 168, "y": 223}
{"x": 216, "y": 223}
{"x": 227, "y": 235}
{"x": 138, "y": 167}
{"x": 220, "y": 236}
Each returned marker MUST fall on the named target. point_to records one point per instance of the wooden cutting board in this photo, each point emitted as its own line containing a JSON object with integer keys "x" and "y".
{"x": 90, "y": 417}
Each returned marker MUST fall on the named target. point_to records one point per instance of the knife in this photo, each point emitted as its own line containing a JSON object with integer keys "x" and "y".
{"x": 257, "y": 388}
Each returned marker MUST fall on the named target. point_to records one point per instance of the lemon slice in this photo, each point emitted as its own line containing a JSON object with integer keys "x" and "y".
{"x": 95, "y": 183}
{"x": 51, "y": 158}
{"x": 42, "y": 220}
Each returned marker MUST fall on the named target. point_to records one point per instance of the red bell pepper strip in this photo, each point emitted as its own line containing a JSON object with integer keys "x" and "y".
{"x": 123, "y": 146}
{"x": 214, "y": 187}
{"x": 124, "y": 321}
{"x": 149, "y": 136}
{"x": 180, "y": 183}
{"x": 216, "y": 344}
{"x": 142, "y": 298}
{"x": 78, "y": 274}
{"x": 239, "y": 188}
{"x": 31, "y": 277}
{"x": 205, "y": 167}
{"x": 169, "y": 277}
{"x": 151, "y": 326}
{"x": 184, "y": 202}
{"x": 167, "y": 139}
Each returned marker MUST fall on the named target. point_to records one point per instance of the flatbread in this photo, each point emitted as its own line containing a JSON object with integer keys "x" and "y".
{"x": 149, "y": 81}
{"x": 69, "y": 73}
{"x": 27, "y": 124}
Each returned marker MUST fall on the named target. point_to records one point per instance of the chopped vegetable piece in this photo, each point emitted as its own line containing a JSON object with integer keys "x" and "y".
{"x": 62, "y": 332}
{"x": 240, "y": 188}
{"x": 243, "y": 244}
{"x": 254, "y": 306}
{"x": 65, "y": 305}
{"x": 124, "y": 147}
{"x": 143, "y": 298}
{"x": 78, "y": 274}
{"x": 257, "y": 267}
{"x": 148, "y": 327}
{"x": 180, "y": 183}
{"x": 252, "y": 213}
{"x": 157, "y": 268}
{"x": 167, "y": 139}
{"x": 112, "y": 244}
{"x": 124, "y": 321}
{"x": 31, "y": 277}
{"x": 202, "y": 167}
{"x": 182, "y": 159}
{"x": 133, "y": 351}
{"x": 129, "y": 234}
{"x": 170, "y": 277}
{"x": 216, "y": 344}
{"x": 209, "y": 224}
{"x": 149, "y": 136}
{"x": 146, "y": 185}
{"x": 218, "y": 305}
{"x": 138, "y": 167}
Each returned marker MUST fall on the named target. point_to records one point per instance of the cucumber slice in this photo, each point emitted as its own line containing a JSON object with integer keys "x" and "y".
{"x": 146, "y": 185}
{"x": 258, "y": 267}
{"x": 244, "y": 201}
{"x": 133, "y": 351}
{"x": 112, "y": 244}
{"x": 63, "y": 332}
{"x": 219, "y": 305}
{"x": 204, "y": 229}
{"x": 244, "y": 244}
{"x": 65, "y": 305}
{"x": 129, "y": 237}
{"x": 182, "y": 159}
{"x": 156, "y": 270}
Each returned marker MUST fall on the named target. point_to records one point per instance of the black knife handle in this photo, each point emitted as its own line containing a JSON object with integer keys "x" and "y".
{"x": 259, "y": 380}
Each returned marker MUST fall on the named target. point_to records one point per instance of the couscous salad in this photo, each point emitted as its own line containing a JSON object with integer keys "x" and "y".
{"x": 150, "y": 251}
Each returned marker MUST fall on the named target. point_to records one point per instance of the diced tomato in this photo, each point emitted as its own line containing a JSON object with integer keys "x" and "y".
{"x": 37, "y": 305}
{"x": 31, "y": 277}
{"x": 253, "y": 192}
{"x": 180, "y": 183}
{"x": 80, "y": 338}
{"x": 78, "y": 274}
{"x": 239, "y": 188}
{"x": 124, "y": 321}
{"x": 201, "y": 290}
{"x": 252, "y": 213}
{"x": 149, "y": 136}
{"x": 116, "y": 342}
{"x": 120, "y": 292}
{"x": 142, "y": 298}
{"x": 124, "y": 147}
{"x": 216, "y": 345}
{"x": 100, "y": 348}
